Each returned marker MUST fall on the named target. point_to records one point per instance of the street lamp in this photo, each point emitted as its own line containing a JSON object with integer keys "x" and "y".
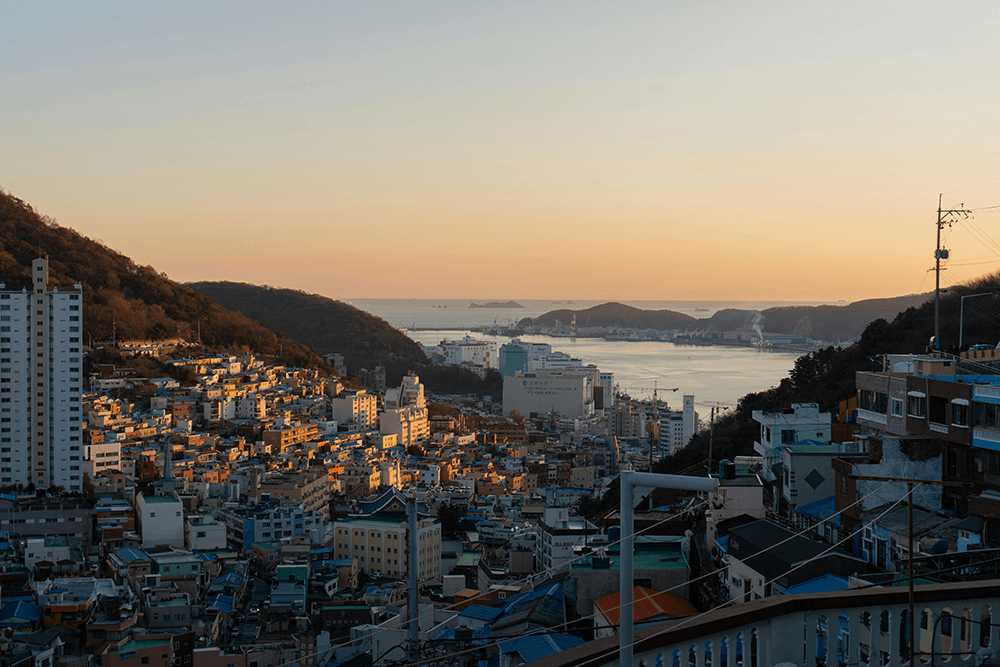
{"x": 961, "y": 313}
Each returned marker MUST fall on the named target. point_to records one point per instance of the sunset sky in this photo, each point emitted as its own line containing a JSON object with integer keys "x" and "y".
{"x": 639, "y": 150}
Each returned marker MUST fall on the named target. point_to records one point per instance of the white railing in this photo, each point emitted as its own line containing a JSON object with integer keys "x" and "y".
{"x": 983, "y": 434}
{"x": 874, "y": 417}
{"x": 957, "y": 625}
{"x": 980, "y": 392}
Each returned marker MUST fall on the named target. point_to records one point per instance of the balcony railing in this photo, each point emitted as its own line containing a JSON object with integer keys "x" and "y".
{"x": 957, "y": 625}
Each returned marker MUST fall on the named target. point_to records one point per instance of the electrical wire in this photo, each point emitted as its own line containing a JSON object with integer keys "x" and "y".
{"x": 591, "y": 616}
{"x": 688, "y": 620}
{"x": 525, "y": 579}
{"x": 708, "y": 574}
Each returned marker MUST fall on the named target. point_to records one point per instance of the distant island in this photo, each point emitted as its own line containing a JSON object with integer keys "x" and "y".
{"x": 496, "y": 304}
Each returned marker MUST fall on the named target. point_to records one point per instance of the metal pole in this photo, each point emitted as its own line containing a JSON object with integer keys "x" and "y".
{"x": 629, "y": 480}
{"x": 937, "y": 281}
{"x": 625, "y": 582}
{"x": 412, "y": 543}
{"x": 711, "y": 436}
{"x": 961, "y": 321}
{"x": 909, "y": 504}
{"x": 961, "y": 314}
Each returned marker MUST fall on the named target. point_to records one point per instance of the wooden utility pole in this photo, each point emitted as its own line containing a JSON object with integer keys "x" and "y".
{"x": 944, "y": 217}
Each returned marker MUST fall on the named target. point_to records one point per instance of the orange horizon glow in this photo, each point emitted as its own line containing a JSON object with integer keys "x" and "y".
{"x": 568, "y": 151}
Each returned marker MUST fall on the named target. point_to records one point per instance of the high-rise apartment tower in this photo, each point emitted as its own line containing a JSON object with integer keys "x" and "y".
{"x": 41, "y": 379}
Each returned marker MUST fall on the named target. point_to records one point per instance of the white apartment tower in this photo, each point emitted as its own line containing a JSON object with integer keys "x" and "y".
{"x": 40, "y": 383}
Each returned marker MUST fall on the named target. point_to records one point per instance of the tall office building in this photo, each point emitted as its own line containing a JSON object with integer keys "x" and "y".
{"x": 41, "y": 378}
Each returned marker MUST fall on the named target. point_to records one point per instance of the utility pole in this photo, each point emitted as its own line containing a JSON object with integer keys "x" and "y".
{"x": 413, "y": 545}
{"x": 711, "y": 437}
{"x": 913, "y": 644}
{"x": 944, "y": 217}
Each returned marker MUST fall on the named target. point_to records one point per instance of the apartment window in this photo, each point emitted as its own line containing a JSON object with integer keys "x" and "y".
{"x": 787, "y": 436}
{"x": 916, "y": 404}
{"x": 960, "y": 412}
{"x": 897, "y": 407}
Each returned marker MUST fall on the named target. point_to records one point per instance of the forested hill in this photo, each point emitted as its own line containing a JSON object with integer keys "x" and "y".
{"x": 829, "y": 323}
{"x": 136, "y": 302}
{"x": 325, "y": 325}
{"x": 827, "y": 376}
{"x": 365, "y": 341}
{"x": 614, "y": 315}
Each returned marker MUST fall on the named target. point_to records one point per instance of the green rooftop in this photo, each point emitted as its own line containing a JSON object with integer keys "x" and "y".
{"x": 648, "y": 556}
{"x": 469, "y": 559}
{"x": 813, "y": 449}
{"x": 160, "y": 499}
{"x": 136, "y": 644}
{"x": 172, "y": 602}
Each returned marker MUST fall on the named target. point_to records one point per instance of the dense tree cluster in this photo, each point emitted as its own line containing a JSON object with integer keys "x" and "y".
{"x": 124, "y": 300}
{"x": 826, "y": 376}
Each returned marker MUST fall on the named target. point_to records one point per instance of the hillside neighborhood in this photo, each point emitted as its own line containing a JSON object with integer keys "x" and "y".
{"x": 238, "y": 512}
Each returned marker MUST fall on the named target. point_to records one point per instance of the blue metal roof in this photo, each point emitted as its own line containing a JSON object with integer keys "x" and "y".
{"x": 538, "y": 647}
{"x": 220, "y": 601}
{"x": 17, "y": 614}
{"x": 481, "y": 612}
{"x": 130, "y": 555}
{"x": 723, "y": 544}
{"x": 825, "y": 583}
{"x": 513, "y": 603}
{"x": 233, "y": 578}
{"x": 821, "y": 509}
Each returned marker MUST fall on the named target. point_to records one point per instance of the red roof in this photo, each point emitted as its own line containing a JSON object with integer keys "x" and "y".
{"x": 648, "y": 604}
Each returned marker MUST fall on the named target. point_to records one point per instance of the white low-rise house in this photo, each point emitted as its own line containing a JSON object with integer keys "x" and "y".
{"x": 101, "y": 457}
{"x": 160, "y": 520}
{"x": 561, "y": 535}
{"x": 803, "y": 421}
{"x": 469, "y": 351}
{"x": 205, "y": 533}
{"x": 52, "y": 549}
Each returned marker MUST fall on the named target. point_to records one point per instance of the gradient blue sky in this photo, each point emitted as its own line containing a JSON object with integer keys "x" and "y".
{"x": 641, "y": 150}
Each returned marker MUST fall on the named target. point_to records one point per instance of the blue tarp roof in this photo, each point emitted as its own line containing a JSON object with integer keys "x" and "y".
{"x": 538, "y": 647}
{"x": 825, "y": 583}
{"x": 821, "y": 509}
{"x": 722, "y": 543}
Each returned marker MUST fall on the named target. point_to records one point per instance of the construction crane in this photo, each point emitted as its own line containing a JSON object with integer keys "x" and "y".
{"x": 656, "y": 417}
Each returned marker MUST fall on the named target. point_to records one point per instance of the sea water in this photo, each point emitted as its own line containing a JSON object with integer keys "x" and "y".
{"x": 713, "y": 374}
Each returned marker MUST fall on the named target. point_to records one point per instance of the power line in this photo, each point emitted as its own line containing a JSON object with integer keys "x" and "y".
{"x": 687, "y": 620}
{"x": 584, "y": 618}
{"x": 687, "y": 583}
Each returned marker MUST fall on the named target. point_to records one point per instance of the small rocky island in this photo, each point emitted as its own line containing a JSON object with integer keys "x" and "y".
{"x": 496, "y": 304}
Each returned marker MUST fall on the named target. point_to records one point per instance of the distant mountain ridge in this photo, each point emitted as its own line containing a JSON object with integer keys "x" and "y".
{"x": 826, "y": 323}
{"x": 322, "y": 323}
{"x": 123, "y": 299}
{"x": 327, "y": 325}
